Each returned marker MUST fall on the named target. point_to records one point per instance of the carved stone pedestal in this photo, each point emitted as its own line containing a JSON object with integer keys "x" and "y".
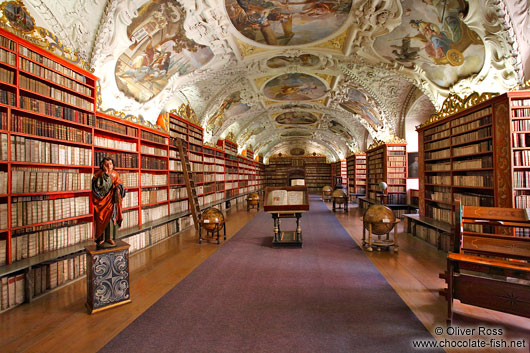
{"x": 107, "y": 277}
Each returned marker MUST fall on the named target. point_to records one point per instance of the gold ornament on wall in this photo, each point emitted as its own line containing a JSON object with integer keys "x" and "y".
{"x": 15, "y": 18}
{"x": 185, "y": 111}
{"x": 454, "y": 104}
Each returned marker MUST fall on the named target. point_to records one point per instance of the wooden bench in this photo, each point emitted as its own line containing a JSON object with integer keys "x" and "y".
{"x": 489, "y": 267}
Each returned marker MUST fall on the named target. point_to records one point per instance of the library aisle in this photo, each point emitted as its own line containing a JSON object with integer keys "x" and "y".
{"x": 250, "y": 296}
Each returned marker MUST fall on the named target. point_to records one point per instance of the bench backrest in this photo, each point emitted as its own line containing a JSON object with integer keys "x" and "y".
{"x": 495, "y": 235}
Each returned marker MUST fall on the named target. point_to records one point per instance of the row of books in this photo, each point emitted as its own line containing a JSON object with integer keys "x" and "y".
{"x": 483, "y": 146}
{"x": 159, "y": 233}
{"x": 473, "y": 180}
{"x": 153, "y": 196}
{"x": 32, "y": 244}
{"x": 521, "y": 140}
{"x": 440, "y": 214}
{"x": 4, "y": 216}
{"x": 178, "y": 206}
{"x": 472, "y": 136}
{"x": 49, "y": 75}
{"x": 153, "y": 150}
{"x": 149, "y": 179}
{"x": 35, "y": 151}
{"x": 40, "y": 209}
{"x": 56, "y": 110}
{"x": 8, "y": 57}
{"x": 146, "y": 135}
{"x": 442, "y": 196}
{"x": 130, "y": 199}
{"x": 116, "y": 144}
{"x": 435, "y": 167}
{"x": 3, "y": 120}
{"x": 432, "y": 236}
{"x": 130, "y": 180}
{"x": 53, "y": 92}
{"x": 521, "y": 179}
{"x": 52, "y": 64}
{"x": 439, "y": 144}
{"x": 130, "y": 219}
{"x": 476, "y": 163}
{"x": 121, "y": 160}
{"x": 522, "y": 201}
{"x": 12, "y": 289}
{"x": 472, "y": 125}
{"x": 178, "y": 193}
{"x": 438, "y": 135}
{"x": 154, "y": 213}
{"x": 521, "y": 113}
{"x": 473, "y": 116}
{"x": 137, "y": 241}
{"x": 7, "y": 98}
{"x": 521, "y": 158}
{"x": 36, "y": 127}
{"x": 153, "y": 163}
{"x": 5, "y": 74}
{"x": 51, "y": 275}
{"x": 3, "y": 184}
{"x": 37, "y": 180}
{"x": 113, "y": 126}
{"x": 436, "y": 129}
{"x": 438, "y": 179}
{"x": 473, "y": 199}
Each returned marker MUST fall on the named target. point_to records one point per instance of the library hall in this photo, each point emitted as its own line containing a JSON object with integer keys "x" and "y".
{"x": 268, "y": 176}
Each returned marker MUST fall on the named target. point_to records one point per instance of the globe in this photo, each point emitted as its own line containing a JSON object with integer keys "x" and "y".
{"x": 327, "y": 188}
{"x": 253, "y": 198}
{"x": 212, "y": 219}
{"x": 381, "y": 217}
{"x": 339, "y": 196}
{"x": 383, "y": 186}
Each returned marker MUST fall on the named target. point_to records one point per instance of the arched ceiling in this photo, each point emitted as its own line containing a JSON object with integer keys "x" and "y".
{"x": 317, "y": 75}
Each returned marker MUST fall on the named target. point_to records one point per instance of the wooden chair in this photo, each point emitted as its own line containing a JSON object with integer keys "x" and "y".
{"x": 489, "y": 267}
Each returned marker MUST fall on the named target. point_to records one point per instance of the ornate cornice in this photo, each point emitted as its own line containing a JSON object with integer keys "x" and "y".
{"x": 454, "y": 104}
{"x": 135, "y": 119}
{"x": 39, "y": 36}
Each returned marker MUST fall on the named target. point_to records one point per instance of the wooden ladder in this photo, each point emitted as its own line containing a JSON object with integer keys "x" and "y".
{"x": 190, "y": 184}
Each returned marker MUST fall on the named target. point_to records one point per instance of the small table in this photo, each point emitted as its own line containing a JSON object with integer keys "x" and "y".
{"x": 288, "y": 237}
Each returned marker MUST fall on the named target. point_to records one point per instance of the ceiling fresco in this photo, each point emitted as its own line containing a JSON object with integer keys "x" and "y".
{"x": 294, "y": 87}
{"x": 296, "y": 118}
{"x": 160, "y": 50}
{"x": 326, "y": 76}
{"x": 287, "y": 23}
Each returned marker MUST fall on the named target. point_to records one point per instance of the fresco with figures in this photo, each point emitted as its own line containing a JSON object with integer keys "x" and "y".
{"x": 231, "y": 106}
{"x": 296, "y": 118}
{"x": 286, "y": 23}
{"x": 357, "y": 103}
{"x": 160, "y": 50}
{"x": 294, "y": 86}
{"x": 433, "y": 36}
{"x": 337, "y": 128}
{"x": 307, "y": 60}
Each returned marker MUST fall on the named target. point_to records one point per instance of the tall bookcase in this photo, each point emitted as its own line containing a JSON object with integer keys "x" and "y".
{"x": 51, "y": 142}
{"x": 387, "y": 162}
{"x": 317, "y": 171}
{"x": 339, "y": 169}
{"x": 356, "y": 171}
{"x": 478, "y": 155}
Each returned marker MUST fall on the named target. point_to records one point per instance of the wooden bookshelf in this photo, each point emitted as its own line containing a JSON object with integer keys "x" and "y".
{"x": 478, "y": 155}
{"x": 356, "y": 173}
{"x": 317, "y": 171}
{"x": 51, "y": 142}
{"x": 387, "y": 163}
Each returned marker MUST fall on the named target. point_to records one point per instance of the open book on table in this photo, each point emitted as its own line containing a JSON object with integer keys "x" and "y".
{"x": 284, "y": 197}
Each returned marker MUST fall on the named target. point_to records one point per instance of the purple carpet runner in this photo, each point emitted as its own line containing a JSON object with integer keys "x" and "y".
{"x": 251, "y": 297}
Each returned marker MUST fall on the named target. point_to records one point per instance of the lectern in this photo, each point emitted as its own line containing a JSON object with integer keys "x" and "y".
{"x": 107, "y": 277}
{"x": 286, "y": 202}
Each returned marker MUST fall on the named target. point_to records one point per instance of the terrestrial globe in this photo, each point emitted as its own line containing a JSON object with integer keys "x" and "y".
{"x": 253, "y": 198}
{"x": 339, "y": 196}
{"x": 381, "y": 217}
{"x": 212, "y": 219}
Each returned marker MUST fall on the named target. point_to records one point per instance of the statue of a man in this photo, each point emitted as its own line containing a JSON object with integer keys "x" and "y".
{"x": 108, "y": 192}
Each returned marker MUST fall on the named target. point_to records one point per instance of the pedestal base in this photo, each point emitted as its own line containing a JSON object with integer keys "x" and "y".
{"x": 107, "y": 277}
{"x": 288, "y": 239}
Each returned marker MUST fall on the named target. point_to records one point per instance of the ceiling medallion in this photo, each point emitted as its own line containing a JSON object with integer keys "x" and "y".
{"x": 295, "y": 22}
{"x": 16, "y": 19}
{"x": 454, "y": 104}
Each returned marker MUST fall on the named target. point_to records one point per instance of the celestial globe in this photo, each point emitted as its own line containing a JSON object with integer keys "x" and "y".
{"x": 381, "y": 217}
{"x": 212, "y": 219}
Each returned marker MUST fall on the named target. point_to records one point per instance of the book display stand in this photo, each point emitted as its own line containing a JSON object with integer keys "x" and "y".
{"x": 286, "y": 202}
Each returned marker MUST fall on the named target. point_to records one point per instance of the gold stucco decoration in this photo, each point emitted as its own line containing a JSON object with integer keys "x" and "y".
{"x": 247, "y": 49}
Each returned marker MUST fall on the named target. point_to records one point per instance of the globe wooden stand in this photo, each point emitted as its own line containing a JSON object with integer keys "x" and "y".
{"x": 211, "y": 233}
{"x": 107, "y": 277}
{"x": 253, "y": 202}
{"x": 380, "y": 243}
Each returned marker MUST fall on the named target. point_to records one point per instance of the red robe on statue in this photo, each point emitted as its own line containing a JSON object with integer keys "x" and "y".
{"x": 103, "y": 207}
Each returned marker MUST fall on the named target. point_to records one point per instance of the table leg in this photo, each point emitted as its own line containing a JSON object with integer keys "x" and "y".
{"x": 276, "y": 227}
{"x": 298, "y": 228}
{"x": 369, "y": 248}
